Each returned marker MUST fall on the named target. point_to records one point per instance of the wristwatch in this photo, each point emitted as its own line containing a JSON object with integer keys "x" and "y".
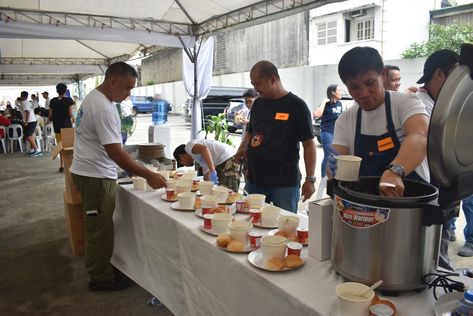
{"x": 397, "y": 169}
{"x": 310, "y": 179}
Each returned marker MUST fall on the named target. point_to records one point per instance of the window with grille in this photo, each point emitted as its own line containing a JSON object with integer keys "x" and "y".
{"x": 220, "y": 61}
{"x": 365, "y": 30}
{"x": 327, "y": 33}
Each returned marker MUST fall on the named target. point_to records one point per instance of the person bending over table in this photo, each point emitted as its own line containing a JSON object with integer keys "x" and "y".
{"x": 279, "y": 121}
{"x": 97, "y": 152}
{"x": 387, "y": 129}
{"x": 215, "y": 158}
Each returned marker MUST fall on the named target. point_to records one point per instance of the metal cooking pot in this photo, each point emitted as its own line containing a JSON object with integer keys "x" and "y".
{"x": 382, "y": 238}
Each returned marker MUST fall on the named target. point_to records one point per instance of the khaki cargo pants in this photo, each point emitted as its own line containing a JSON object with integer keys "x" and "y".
{"x": 98, "y": 194}
{"x": 229, "y": 174}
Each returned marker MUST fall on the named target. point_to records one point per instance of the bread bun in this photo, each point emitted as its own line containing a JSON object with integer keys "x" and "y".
{"x": 281, "y": 233}
{"x": 274, "y": 264}
{"x": 292, "y": 237}
{"x": 293, "y": 261}
{"x": 235, "y": 246}
{"x": 233, "y": 197}
{"x": 223, "y": 240}
{"x": 219, "y": 209}
{"x": 198, "y": 203}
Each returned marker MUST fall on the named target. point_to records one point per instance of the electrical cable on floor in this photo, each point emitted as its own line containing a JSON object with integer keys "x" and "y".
{"x": 442, "y": 280}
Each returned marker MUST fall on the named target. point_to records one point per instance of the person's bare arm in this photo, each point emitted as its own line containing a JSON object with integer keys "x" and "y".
{"x": 204, "y": 151}
{"x": 411, "y": 153}
{"x": 126, "y": 162}
{"x": 309, "y": 159}
{"x": 69, "y": 112}
{"x": 320, "y": 110}
{"x": 241, "y": 152}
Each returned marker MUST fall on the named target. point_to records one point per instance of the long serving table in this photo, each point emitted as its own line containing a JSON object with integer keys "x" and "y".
{"x": 166, "y": 253}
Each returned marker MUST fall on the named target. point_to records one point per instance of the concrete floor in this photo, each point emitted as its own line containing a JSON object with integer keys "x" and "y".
{"x": 39, "y": 275}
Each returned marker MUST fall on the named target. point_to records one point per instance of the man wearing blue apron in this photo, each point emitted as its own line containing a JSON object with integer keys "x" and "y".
{"x": 387, "y": 129}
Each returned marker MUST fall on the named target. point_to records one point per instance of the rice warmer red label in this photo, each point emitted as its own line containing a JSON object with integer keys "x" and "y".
{"x": 358, "y": 215}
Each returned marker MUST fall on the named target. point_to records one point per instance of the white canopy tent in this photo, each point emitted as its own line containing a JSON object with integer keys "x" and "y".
{"x": 47, "y": 41}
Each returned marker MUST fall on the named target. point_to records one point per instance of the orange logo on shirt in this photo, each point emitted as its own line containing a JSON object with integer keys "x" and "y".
{"x": 282, "y": 116}
{"x": 385, "y": 144}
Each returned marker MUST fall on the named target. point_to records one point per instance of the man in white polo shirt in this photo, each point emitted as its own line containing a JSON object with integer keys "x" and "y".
{"x": 97, "y": 152}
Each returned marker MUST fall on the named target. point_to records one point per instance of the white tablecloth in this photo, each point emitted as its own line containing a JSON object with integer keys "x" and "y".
{"x": 163, "y": 251}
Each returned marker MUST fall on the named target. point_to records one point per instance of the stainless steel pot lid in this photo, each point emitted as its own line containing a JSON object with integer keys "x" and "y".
{"x": 450, "y": 140}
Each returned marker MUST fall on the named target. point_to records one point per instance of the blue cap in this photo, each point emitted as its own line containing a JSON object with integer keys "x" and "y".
{"x": 468, "y": 295}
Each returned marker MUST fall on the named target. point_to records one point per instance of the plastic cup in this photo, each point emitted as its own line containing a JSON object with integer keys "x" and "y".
{"x": 349, "y": 303}
{"x": 221, "y": 192}
{"x": 209, "y": 201}
{"x": 205, "y": 187}
{"x": 255, "y": 239}
{"x": 208, "y": 221}
{"x": 288, "y": 224}
{"x": 170, "y": 194}
{"x": 239, "y": 231}
{"x": 190, "y": 174}
{"x": 303, "y": 235}
{"x": 240, "y": 205}
{"x": 348, "y": 167}
{"x": 220, "y": 223}
{"x": 273, "y": 246}
{"x": 294, "y": 248}
{"x": 139, "y": 183}
{"x": 255, "y": 214}
{"x": 186, "y": 200}
{"x": 269, "y": 215}
{"x": 256, "y": 200}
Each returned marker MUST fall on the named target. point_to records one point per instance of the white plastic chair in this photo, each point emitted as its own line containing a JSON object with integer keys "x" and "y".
{"x": 15, "y": 132}
{"x": 2, "y": 138}
{"x": 38, "y": 134}
{"x": 49, "y": 137}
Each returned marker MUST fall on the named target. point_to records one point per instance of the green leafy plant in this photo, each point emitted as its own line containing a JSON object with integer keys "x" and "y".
{"x": 218, "y": 125}
{"x": 441, "y": 37}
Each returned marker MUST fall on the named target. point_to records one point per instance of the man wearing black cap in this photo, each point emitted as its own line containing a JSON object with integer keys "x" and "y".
{"x": 436, "y": 70}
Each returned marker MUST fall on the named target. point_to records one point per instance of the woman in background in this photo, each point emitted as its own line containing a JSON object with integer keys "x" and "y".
{"x": 328, "y": 112}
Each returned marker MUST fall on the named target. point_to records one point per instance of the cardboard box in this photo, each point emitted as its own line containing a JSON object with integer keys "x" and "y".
{"x": 320, "y": 228}
{"x": 74, "y": 219}
{"x": 66, "y": 149}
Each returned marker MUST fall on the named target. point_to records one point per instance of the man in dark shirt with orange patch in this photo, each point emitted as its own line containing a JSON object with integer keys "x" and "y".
{"x": 279, "y": 121}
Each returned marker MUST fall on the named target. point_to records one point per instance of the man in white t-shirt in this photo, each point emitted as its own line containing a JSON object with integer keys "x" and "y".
{"x": 45, "y": 95}
{"x": 387, "y": 129}
{"x": 97, "y": 152}
{"x": 29, "y": 122}
{"x": 215, "y": 158}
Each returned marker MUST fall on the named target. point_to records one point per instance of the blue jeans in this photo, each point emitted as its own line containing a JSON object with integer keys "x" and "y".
{"x": 467, "y": 206}
{"x": 283, "y": 197}
{"x": 326, "y": 138}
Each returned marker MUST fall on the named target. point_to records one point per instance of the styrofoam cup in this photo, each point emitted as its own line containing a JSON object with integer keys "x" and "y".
{"x": 139, "y": 183}
{"x": 239, "y": 231}
{"x": 348, "y": 167}
{"x": 183, "y": 186}
{"x": 354, "y": 306}
{"x": 205, "y": 187}
{"x": 171, "y": 184}
{"x": 220, "y": 223}
{"x": 164, "y": 174}
{"x": 269, "y": 215}
{"x": 273, "y": 246}
{"x": 209, "y": 201}
{"x": 221, "y": 192}
{"x": 186, "y": 200}
{"x": 288, "y": 224}
{"x": 256, "y": 200}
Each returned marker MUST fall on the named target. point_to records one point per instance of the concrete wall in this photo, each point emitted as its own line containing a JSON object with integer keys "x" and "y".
{"x": 308, "y": 82}
{"x": 166, "y": 66}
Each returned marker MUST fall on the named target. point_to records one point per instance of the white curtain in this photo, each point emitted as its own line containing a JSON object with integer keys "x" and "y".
{"x": 204, "y": 80}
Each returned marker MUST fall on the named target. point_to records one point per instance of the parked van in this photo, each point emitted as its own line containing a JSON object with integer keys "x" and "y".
{"x": 216, "y": 102}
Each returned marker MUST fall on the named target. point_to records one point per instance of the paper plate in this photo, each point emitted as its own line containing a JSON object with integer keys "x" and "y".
{"x": 175, "y": 206}
{"x": 198, "y": 212}
{"x": 247, "y": 249}
{"x": 208, "y": 231}
{"x": 256, "y": 258}
{"x": 166, "y": 199}
{"x": 274, "y": 231}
